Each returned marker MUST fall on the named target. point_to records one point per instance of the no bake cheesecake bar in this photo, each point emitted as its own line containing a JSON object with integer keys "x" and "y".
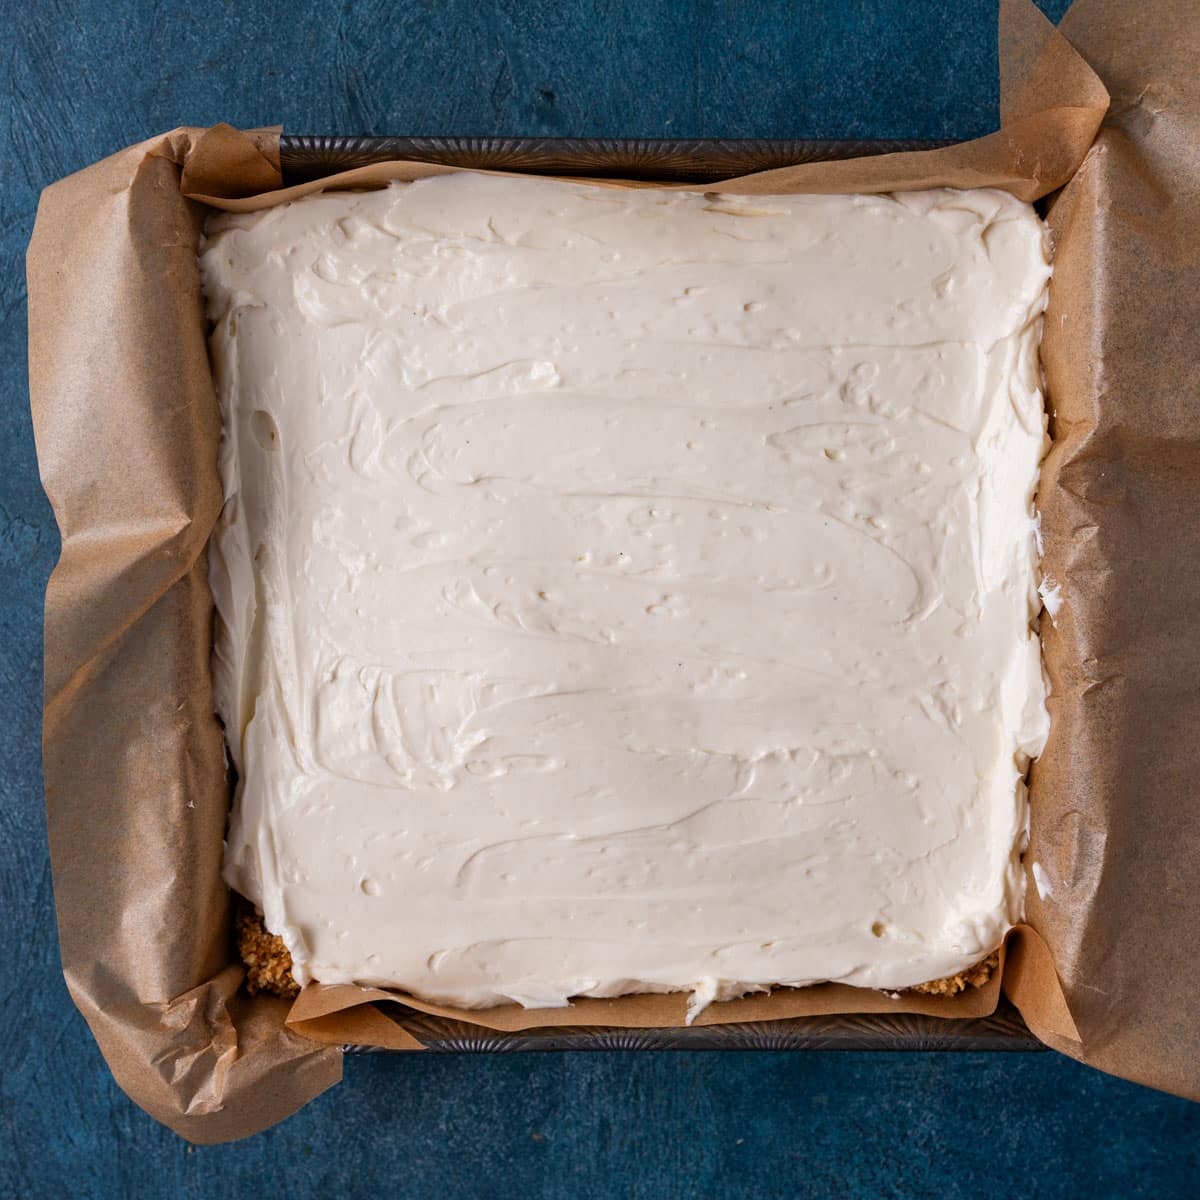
{"x": 627, "y": 590}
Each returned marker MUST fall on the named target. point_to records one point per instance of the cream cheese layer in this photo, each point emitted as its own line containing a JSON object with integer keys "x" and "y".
{"x": 628, "y": 590}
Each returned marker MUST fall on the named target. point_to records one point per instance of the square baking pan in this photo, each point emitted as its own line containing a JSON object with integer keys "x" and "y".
{"x": 304, "y": 158}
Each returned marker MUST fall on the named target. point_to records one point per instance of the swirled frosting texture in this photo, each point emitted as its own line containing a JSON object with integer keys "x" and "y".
{"x": 627, "y": 590}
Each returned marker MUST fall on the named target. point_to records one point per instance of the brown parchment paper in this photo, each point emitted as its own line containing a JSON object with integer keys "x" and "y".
{"x": 1116, "y": 796}
{"x": 126, "y": 426}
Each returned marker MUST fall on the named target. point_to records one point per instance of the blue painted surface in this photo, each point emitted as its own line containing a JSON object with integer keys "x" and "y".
{"x": 83, "y": 79}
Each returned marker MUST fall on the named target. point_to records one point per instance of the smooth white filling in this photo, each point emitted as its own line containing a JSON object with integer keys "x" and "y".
{"x": 628, "y": 590}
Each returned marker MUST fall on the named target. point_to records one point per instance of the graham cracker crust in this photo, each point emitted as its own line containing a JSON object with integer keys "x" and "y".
{"x": 974, "y": 977}
{"x": 269, "y": 965}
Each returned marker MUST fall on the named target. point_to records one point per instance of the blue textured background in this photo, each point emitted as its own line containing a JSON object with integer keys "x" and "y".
{"x": 82, "y": 80}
